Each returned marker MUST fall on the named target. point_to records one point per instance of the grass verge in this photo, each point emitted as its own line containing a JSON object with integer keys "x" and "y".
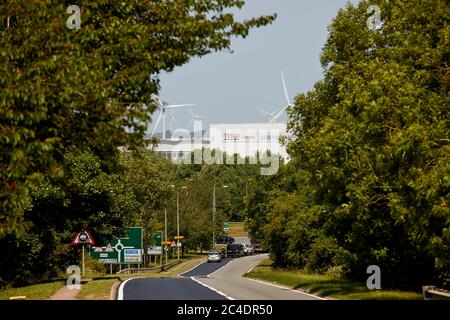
{"x": 96, "y": 289}
{"x": 326, "y": 286}
{"x": 40, "y": 291}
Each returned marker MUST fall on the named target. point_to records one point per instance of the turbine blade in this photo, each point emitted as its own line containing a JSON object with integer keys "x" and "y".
{"x": 264, "y": 111}
{"x": 281, "y": 112}
{"x": 286, "y": 95}
{"x": 178, "y": 106}
{"x": 157, "y": 122}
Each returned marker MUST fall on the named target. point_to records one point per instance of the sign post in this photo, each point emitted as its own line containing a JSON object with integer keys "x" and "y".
{"x": 83, "y": 238}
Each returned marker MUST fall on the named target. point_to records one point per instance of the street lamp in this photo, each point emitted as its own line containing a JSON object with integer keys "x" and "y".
{"x": 178, "y": 218}
{"x": 214, "y": 212}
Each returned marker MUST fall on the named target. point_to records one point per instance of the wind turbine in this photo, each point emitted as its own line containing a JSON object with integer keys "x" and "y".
{"x": 194, "y": 116}
{"x": 267, "y": 113}
{"x": 171, "y": 120}
{"x": 275, "y": 115}
{"x": 164, "y": 107}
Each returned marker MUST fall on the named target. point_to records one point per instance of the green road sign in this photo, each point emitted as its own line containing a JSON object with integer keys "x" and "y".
{"x": 157, "y": 248}
{"x": 226, "y": 226}
{"x": 158, "y": 238}
{"x": 128, "y": 249}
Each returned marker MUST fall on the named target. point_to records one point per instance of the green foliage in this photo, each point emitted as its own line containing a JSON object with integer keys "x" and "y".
{"x": 93, "y": 87}
{"x": 370, "y": 152}
{"x": 70, "y": 100}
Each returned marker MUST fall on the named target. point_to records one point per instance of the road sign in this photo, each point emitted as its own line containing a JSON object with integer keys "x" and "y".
{"x": 83, "y": 238}
{"x": 226, "y": 226}
{"x": 166, "y": 242}
{"x": 132, "y": 255}
{"x": 173, "y": 244}
{"x": 156, "y": 249}
{"x": 158, "y": 238}
{"x": 128, "y": 249}
{"x": 178, "y": 237}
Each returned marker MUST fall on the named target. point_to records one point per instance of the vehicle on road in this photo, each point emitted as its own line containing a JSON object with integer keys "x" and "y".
{"x": 248, "y": 250}
{"x": 235, "y": 250}
{"x": 257, "y": 248}
{"x": 214, "y": 256}
{"x": 225, "y": 240}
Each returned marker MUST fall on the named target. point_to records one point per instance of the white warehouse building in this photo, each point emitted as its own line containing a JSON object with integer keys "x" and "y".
{"x": 245, "y": 139}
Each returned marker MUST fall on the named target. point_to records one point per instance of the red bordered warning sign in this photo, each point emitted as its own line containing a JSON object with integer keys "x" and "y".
{"x": 83, "y": 237}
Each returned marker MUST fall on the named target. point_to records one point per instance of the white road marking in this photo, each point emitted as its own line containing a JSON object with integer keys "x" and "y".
{"x": 181, "y": 274}
{"x": 209, "y": 275}
{"x": 251, "y": 269}
{"x": 286, "y": 288}
{"x": 122, "y": 285}
{"x": 213, "y": 289}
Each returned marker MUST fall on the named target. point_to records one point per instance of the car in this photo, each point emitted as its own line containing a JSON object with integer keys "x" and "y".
{"x": 214, "y": 256}
{"x": 258, "y": 249}
{"x": 235, "y": 250}
{"x": 225, "y": 240}
{"x": 248, "y": 250}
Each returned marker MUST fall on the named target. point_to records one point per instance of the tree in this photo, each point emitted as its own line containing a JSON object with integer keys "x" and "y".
{"x": 149, "y": 177}
{"x": 84, "y": 197}
{"x": 91, "y": 87}
{"x": 371, "y": 150}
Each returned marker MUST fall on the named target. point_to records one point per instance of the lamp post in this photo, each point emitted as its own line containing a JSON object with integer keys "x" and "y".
{"x": 165, "y": 229}
{"x": 178, "y": 218}
{"x": 214, "y": 212}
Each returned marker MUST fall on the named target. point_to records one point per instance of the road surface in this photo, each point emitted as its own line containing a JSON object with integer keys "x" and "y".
{"x": 168, "y": 289}
{"x": 229, "y": 281}
{"x": 211, "y": 281}
{"x": 205, "y": 269}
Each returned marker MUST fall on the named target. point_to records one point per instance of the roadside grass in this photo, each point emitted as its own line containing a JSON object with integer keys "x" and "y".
{"x": 40, "y": 291}
{"x": 237, "y": 229}
{"x": 96, "y": 290}
{"x": 326, "y": 286}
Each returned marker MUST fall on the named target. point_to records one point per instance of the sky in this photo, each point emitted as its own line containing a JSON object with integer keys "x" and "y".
{"x": 227, "y": 87}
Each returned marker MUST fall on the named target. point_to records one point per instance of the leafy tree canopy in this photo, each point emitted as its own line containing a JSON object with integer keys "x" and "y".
{"x": 92, "y": 87}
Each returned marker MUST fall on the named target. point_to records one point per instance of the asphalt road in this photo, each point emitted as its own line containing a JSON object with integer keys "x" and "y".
{"x": 230, "y": 282}
{"x": 206, "y": 268}
{"x": 211, "y": 281}
{"x": 168, "y": 289}
{"x": 175, "y": 289}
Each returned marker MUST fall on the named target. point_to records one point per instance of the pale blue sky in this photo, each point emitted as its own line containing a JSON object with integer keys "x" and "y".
{"x": 227, "y": 88}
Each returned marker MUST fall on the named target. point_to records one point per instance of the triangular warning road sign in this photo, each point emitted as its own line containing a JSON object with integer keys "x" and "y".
{"x": 83, "y": 237}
